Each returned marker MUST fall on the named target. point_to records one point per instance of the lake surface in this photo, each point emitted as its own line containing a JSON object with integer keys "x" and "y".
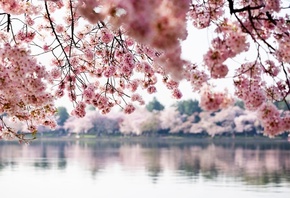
{"x": 126, "y": 169}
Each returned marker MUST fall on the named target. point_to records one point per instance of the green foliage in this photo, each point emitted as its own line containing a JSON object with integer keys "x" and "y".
{"x": 62, "y": 116}
{"x": 154, "y": 105}
{"x": 240, "y": 104}
{"x": 282, "y": 105}
{"x": 188, "y": 107}
{"x": 91, "y": 108}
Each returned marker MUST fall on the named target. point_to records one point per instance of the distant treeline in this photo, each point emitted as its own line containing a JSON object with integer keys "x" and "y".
{"x": 182, "y": 118}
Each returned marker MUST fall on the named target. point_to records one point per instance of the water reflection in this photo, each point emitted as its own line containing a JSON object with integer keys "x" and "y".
{"x": 251, "y": 163}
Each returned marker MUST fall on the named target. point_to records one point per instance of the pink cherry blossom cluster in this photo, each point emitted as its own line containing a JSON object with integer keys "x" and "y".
{"x": 195, "y": 76}
{"x": 246, "y": 87}
{"x": 17, "y": 7}
{"x": 273, "y": 122}
{"x": 273, "y": 5}
{"x": 203, "y": 13}
{"x": 257, "y": 95}
{"x": 284, "y": 47}
{"x": 23, "y": 93}
{"x": 213, "y": 100}
{"x": 129, "y": 108}
{"x": 231, "y": 43}
{"x": 138, "y": 98}
{"x": 267, "y": 5}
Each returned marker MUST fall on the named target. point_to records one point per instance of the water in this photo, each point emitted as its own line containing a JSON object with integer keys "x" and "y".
{"x": 126, "y": 169}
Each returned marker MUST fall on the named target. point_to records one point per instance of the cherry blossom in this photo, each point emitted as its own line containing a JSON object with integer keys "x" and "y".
{"x": 102, "y": 53}
{"x": 213, "y": 100}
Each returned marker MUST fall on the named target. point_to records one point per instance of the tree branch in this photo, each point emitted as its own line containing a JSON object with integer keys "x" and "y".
{"x": 246, "y": 8}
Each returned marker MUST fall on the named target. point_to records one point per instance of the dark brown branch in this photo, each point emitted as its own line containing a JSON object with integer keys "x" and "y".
{"x": 72, "y": 24}
{"x": 8, "y": 21}
{"x": 253, "y": 25}
{"x": 269, "y": 16}
{"x": 246, "y": 8}
{"x": 54, "y": 32}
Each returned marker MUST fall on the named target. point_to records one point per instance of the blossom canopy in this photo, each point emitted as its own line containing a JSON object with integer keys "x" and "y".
{"x": 102, "y": 52}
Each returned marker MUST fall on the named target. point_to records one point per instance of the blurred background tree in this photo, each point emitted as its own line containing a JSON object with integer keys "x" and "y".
{"x": 154, "y": 105}
{"x": 62, "y": 116}
{"x": 188, "y": 107}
